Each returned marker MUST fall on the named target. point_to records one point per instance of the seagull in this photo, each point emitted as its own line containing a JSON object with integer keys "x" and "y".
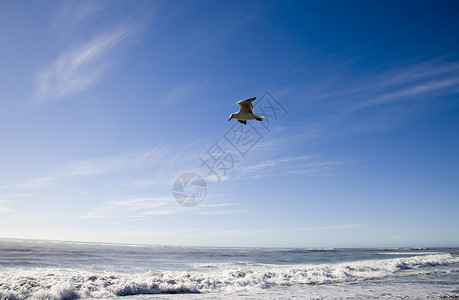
{"x": 245, "y": 112}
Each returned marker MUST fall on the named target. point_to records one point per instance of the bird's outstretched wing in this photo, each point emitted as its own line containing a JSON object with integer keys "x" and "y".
{"x": 246, "y": 105}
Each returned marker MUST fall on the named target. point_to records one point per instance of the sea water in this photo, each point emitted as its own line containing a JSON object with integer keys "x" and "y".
{"x": 31, "y": 269}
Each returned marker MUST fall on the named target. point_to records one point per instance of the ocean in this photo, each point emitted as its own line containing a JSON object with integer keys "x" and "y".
{"x": 33, "y": 269}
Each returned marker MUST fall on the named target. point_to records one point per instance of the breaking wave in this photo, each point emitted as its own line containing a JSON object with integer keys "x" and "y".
{"x": 47, "y": 283}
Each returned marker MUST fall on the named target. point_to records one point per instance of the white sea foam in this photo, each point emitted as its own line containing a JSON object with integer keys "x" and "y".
{"x": 47, "y": 283}
{"x": 408, "y": 253}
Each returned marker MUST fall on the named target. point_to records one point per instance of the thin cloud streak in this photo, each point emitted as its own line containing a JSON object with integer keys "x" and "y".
{"x": 7, "y": 199}
{"x": 306, "y": 164}
{"x": 115, "y": 163}
{"x": 135, "y": 207}
{"x": 422, "y": 74}
{"x": 145, "y": 205}
{"x": 412, "y": 91}
{"x": 416, "y": 81}
{"x": 334, "y": 227}
{"x": 95, "y": 166}
{"x": 392, "y": 93}
{"x": 222, "y": 212}
{"x": 273, "y": 163}
{"x": 31, "y": 184}
{"x": 73, "y": 13}
{"x": 4, "y": 207}
{"x": 78, "y": 69}
{"x": 241, "y": 232}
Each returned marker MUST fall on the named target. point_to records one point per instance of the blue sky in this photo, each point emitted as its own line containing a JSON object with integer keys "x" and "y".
{"x": 103, "y": 104}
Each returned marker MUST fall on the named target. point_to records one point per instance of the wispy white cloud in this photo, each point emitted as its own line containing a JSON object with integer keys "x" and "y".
{"x": 411, "y": 91}
{"x": 222, "y": 212}
{"x": 96, "y": 166}
{"x": 117, "y": 162}
{"x": 6, "y": 201}
{"x": 268, "y": 157}
{"x": 273, "y": 163}
{"x": 4, "y": 207}
{"x": 31, "y": 219}
{"x": 423, "y": 71}
{"x": 74, "y": 12}
{"x": 219, "y": 204}
{"x": 411, "y": 80}
{"x": 389, "y": 98}
{"x": 32, "y": 184}
{"x": 333, "y": 227}
{"x": 242, "y": 232}
{"x": 304, "y": 164}
{"x": 79, "y": 68}
{"x": 14, "y": 196}
{"x": 21, "y": 224}
{"x": 417, "y": 81}
{"x": 139, "y": 206}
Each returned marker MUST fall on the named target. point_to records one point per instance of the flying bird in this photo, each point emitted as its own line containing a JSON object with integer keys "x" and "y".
{"x": 245, "y": 112}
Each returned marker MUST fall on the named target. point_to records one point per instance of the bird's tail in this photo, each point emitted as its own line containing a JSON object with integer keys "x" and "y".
{"x": 259, "y": 118}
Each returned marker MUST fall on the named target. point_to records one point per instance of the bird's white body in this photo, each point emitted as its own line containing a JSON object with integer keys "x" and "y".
{"x": 245, "y": 116}
{"x": 245, "y": 112}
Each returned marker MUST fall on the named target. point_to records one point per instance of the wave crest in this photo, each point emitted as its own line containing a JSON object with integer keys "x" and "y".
{"x": 74, "y": 284}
